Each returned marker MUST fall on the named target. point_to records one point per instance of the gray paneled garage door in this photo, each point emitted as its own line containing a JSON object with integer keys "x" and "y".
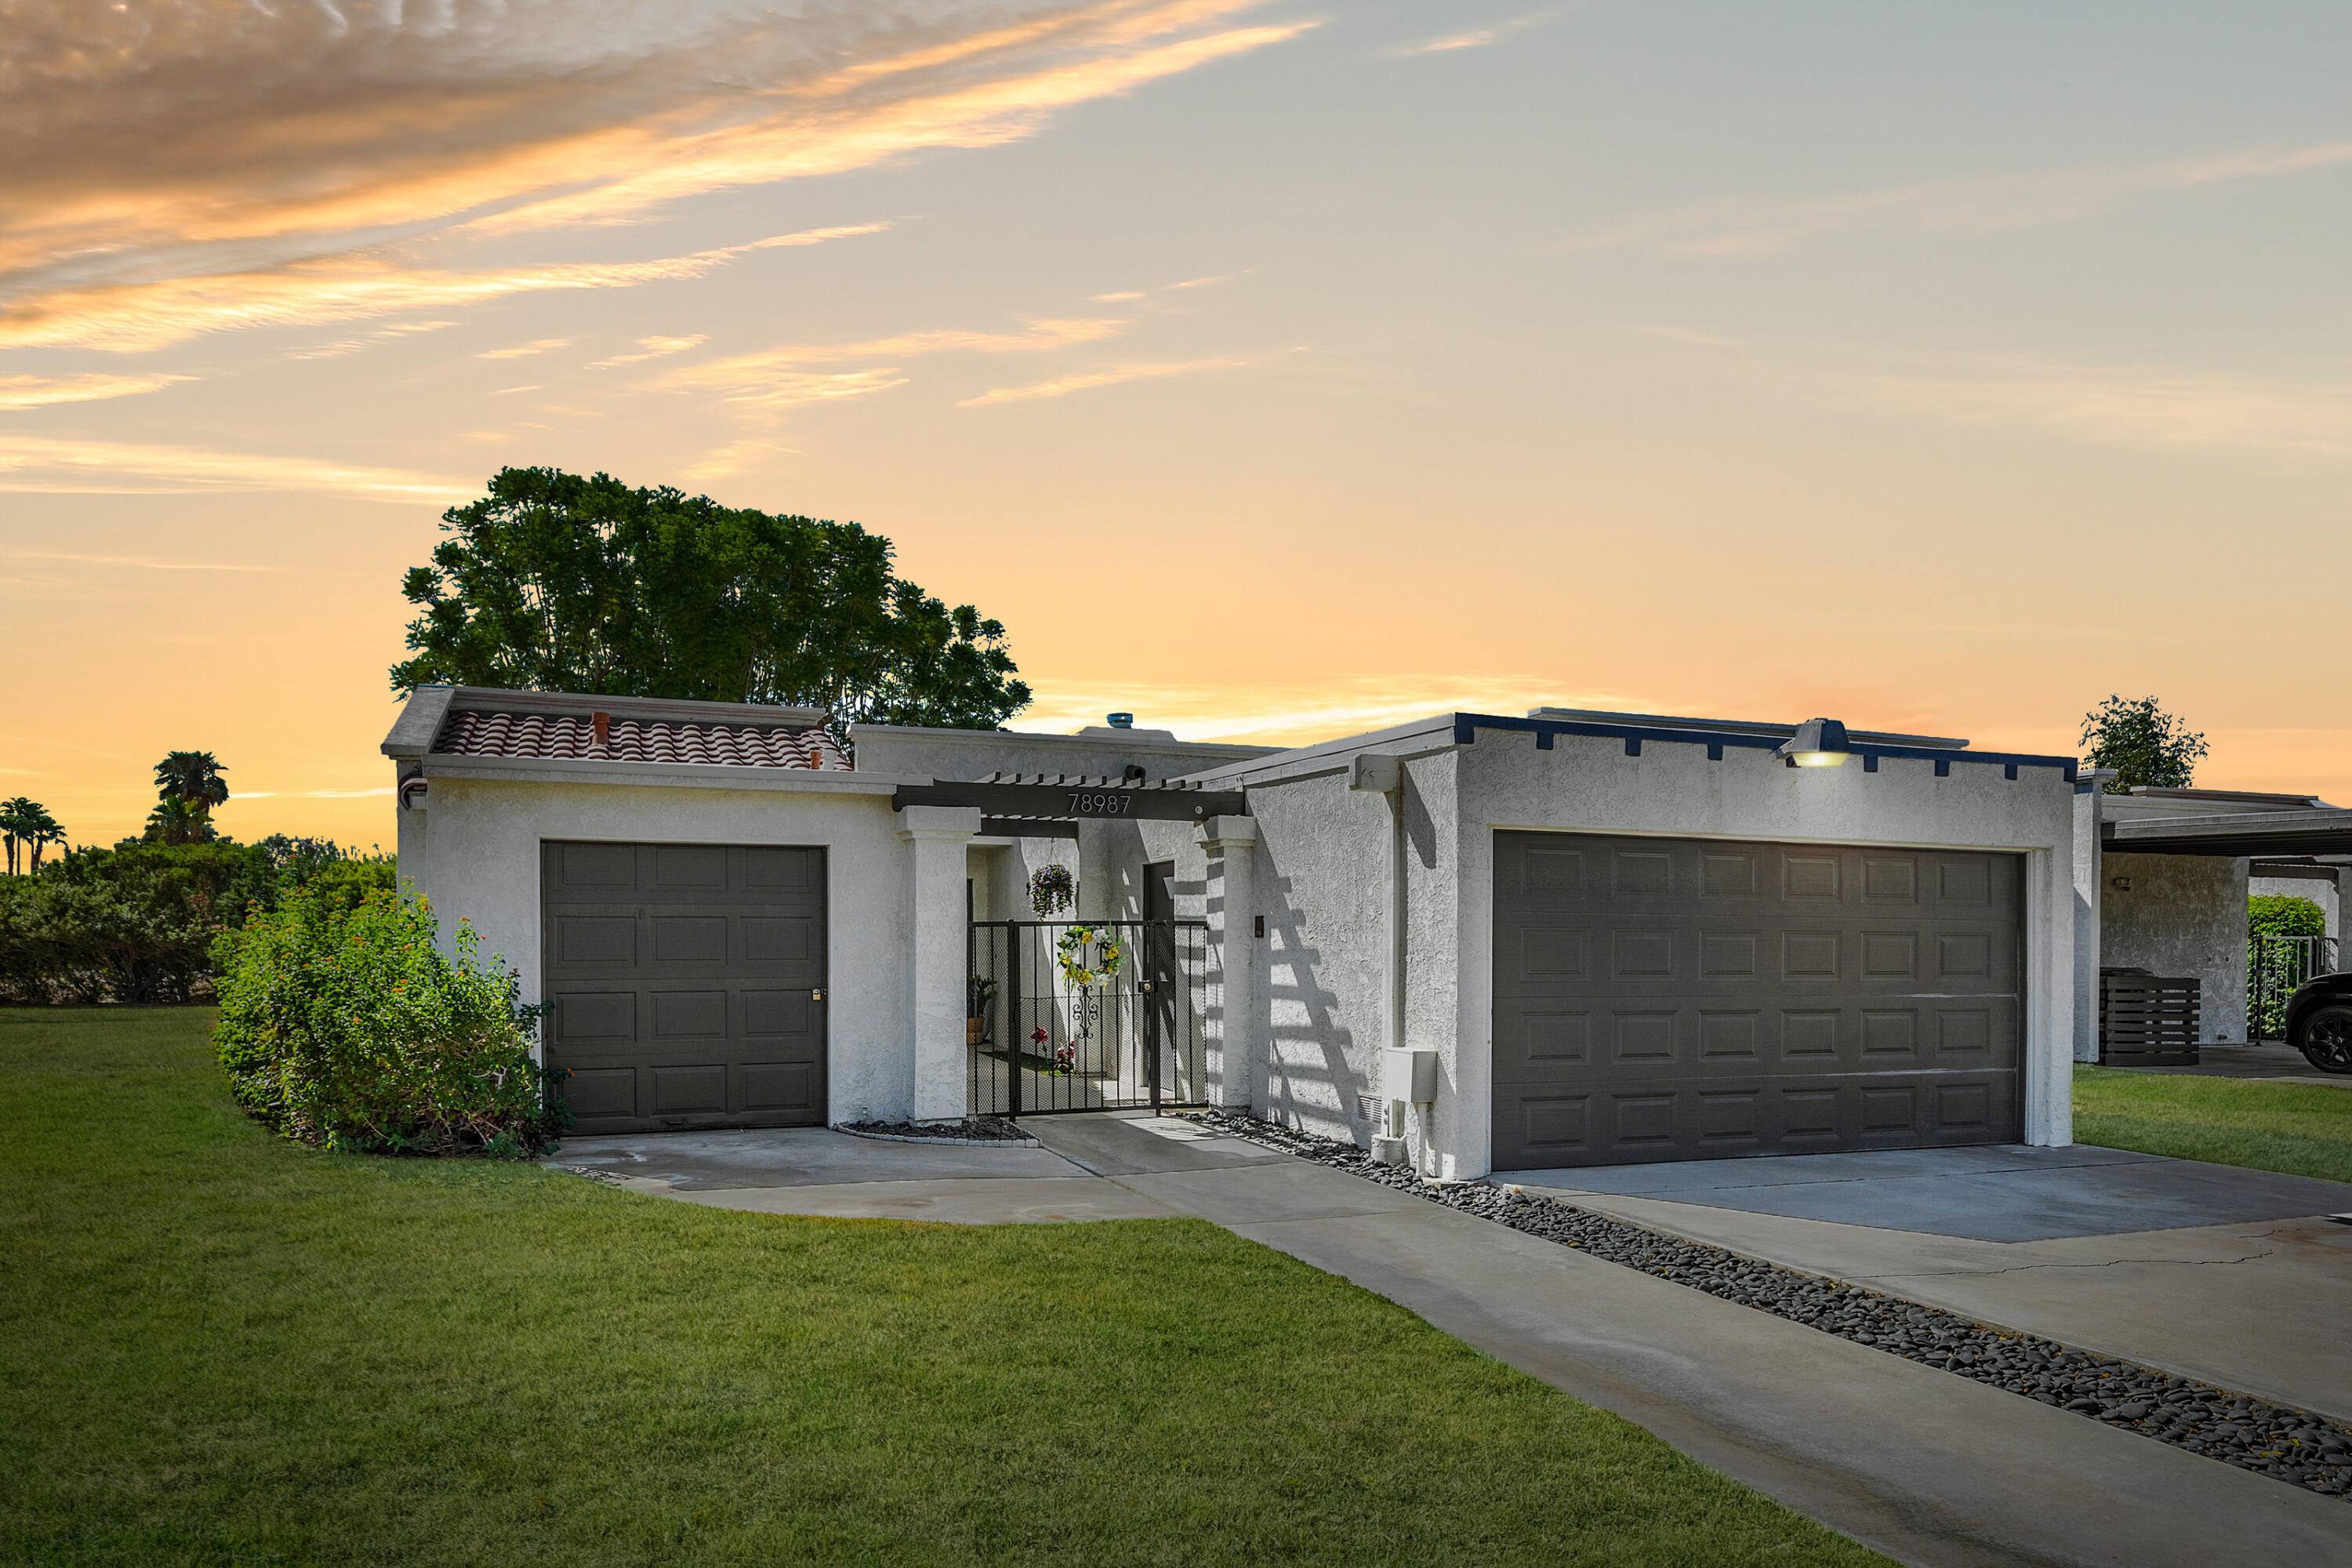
{"x": 1687, "y": 999}
{"x": 686, "y": 980}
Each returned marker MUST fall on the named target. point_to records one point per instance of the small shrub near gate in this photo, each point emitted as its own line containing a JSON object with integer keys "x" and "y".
{"x": 343, "y": 1024}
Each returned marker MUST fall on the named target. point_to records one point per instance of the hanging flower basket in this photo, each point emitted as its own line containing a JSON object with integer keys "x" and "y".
{"x": 1051, "y": 890}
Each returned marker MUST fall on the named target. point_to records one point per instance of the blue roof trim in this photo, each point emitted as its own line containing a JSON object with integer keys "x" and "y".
{"x": 1467, "y": 725}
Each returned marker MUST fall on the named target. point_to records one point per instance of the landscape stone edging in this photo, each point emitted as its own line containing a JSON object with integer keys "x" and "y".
{"x": 2275, "y": 1440}
{"x": 1025, "y": 1141}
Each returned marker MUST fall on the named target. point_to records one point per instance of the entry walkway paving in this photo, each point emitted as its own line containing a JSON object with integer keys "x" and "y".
{"x": 1929, "y": 1467}
{"x": 816, "y": 1171}
{"x": 2267, "y": 1060}
{"x": 2230, "y": 1275}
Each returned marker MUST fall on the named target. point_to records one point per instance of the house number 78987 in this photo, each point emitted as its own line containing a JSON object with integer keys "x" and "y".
{"x": 1101, "y": 804}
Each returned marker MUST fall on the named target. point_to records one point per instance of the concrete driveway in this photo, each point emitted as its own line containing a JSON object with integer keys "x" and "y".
{"x": 2239, "y": 1278}
{"x": 2264, "y": 1059}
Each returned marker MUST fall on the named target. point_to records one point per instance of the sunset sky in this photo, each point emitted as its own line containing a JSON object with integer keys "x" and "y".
{"x": 1271, "y": 370}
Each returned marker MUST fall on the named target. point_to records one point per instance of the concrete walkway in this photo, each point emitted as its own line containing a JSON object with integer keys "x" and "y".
{"x": 2210, "y": 1271}
{"x": 816, "y": 1171}
{"x": 1925, "y": 1467}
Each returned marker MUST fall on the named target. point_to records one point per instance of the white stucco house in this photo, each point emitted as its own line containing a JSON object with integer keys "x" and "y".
{"x": 1618, "y": 937}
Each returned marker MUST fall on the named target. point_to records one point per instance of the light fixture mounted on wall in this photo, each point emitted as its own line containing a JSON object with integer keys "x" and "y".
{"x": 1818, "y": 744}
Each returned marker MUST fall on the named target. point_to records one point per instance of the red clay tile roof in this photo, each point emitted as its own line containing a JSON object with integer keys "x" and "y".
{"x": 470, "y": 734}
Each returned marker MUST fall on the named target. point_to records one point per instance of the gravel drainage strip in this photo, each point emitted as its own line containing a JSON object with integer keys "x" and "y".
{"x": 2287, "y": 1445}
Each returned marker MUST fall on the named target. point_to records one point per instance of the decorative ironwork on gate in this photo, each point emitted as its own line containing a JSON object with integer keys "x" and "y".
{"x": 2275, "y": 966}
{"x": 1086, "y": 1014}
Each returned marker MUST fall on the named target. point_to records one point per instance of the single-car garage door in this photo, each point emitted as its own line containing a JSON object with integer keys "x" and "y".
{"x": 688, "y": 983}
{"x": 1688, "y": 999}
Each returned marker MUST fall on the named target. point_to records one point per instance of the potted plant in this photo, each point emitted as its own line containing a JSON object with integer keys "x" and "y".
{"x": 1051, "y": 890}
{"x": 981, "y": 992}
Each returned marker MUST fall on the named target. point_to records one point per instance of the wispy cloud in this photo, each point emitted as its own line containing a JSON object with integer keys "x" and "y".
{"x": 778, "y": 376}
{"x": 653, "y": 348}
{"x": 1964, "y": 205}
{"x": 1476, "y": 38}
{"x": 18, "y": 391}
{"x": 341, "y": 346}
{"x": 2168, "y": 406}
{"x": 1297, "y": 715}
{"x": 2140, "y": 405}
{"x": 142, "y": 316}
{"x": 146, "y": 562}
{"x": 108, "y": 468}
{"x": 734, "y": 458}
{"x": 1085, "y": 380}
{"x": 219, "y": 165}
{"x": 524, "y": 351}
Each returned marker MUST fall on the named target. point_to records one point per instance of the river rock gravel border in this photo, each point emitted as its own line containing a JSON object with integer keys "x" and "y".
{"x": 993, "y": 1132}
{"x": 2288, "y": 1444}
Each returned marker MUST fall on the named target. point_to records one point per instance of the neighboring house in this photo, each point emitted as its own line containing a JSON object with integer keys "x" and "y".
{"x": 1623, "y": 937}
{"x": 2175, "y": 871}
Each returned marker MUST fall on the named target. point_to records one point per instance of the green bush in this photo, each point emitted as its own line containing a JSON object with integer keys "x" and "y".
{"x": 343, "y": 1024}
{"x": 2275, "y": 969}
{"x": 136, "y": 922}
{"x": 2282, "y": 914}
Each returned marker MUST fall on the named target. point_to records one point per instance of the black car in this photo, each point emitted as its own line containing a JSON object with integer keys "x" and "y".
{"x": 2319, "y": 1022}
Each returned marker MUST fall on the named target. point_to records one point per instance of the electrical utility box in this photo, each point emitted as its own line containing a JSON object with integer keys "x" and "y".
{"x": 1375, "y": 774}
{"x": 1409, "y": 1076}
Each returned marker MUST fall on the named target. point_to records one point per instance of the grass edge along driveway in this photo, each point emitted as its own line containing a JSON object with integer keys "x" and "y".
{"x": 221, "y": 1349}
{"x": 2296, "y": 1129}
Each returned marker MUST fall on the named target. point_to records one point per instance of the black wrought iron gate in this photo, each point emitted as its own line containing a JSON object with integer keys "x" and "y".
{"x": 2275, "y": 966}
{"x": 1054, "y": 1021}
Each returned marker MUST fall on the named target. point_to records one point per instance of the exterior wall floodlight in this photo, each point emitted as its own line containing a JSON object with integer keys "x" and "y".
{"x": 1818, "y": 744}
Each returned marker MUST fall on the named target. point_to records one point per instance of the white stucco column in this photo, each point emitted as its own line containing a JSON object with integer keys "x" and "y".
{"x": 937, "y": 839}
{"x": 1230, "y": 845}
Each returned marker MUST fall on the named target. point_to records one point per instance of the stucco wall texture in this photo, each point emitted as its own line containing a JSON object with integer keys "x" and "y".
{"x": 2183, "y": 916}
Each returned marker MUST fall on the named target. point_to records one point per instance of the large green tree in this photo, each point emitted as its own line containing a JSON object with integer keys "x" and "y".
{"x": 2142, "y": 742}
{"x": 553, "y": 581}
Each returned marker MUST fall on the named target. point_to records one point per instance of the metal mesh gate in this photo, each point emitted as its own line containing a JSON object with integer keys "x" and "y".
{"x": 1134, "y": 1037}
{"x": 2275, "y": 966}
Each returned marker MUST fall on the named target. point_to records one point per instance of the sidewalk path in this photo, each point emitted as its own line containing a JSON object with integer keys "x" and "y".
{"x": 1929, "y": 1467}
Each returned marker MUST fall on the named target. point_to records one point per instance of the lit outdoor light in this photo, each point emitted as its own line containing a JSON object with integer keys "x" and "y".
{"x": 1818, "y": 744}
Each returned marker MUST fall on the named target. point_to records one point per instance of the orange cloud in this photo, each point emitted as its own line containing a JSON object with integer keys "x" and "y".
{"x": 138, "y": 318}
{"x": 112, "y": 467}
{"x": 39, "y": 391}
{"x": 186, "y": 169}
{"x": 775, "y": 376}
{"x": 1087, "y": 381}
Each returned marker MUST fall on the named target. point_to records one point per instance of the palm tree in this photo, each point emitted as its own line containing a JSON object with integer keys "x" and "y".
{"x": 16, "y": 820}
{"x": 178, "y": 821}
{"x": 193, "y": 778}
{"x": 42, "y": 830}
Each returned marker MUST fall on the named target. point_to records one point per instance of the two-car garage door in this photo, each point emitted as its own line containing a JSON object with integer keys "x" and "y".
{"x": 1686, "y": 999}
{"x": 688, "y": 983}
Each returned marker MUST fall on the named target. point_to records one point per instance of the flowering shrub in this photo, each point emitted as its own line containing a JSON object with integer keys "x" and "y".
{"x": 345, "y": 1025}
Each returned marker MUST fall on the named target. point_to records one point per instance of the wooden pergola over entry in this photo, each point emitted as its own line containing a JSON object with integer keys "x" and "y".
{"x": 1050, "y": 805}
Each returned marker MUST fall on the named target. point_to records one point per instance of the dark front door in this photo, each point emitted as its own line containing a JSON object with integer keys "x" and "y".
{"x": 1161, "y": 981}
{"x": 686, "y": 983}
{"x": 1687, "y": 999}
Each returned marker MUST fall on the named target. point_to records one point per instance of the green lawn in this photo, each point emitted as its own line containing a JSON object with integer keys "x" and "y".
{"x": 2302, "y": 1129}
{"x": 217, "y": 1348}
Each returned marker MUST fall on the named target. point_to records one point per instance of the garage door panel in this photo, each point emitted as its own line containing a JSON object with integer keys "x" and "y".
{"x": 596, "y": 939}
{"x": 665, "y": 1011}
{"x": 697, "y": 1088}
{"x": 1690, "y": 999}
{"x": 689, "y": 1015}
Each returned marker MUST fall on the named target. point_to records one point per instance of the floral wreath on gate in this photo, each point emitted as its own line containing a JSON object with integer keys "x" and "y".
{"x": 1071, "y": 947}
